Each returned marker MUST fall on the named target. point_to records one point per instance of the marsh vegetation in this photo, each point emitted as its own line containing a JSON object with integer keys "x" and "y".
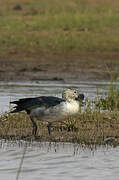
{"x": 96, "y": 123}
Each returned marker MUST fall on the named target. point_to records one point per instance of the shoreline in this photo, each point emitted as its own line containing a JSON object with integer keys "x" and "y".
{"x": 57, "y": 67}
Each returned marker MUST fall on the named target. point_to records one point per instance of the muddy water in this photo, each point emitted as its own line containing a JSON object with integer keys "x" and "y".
{"x": 50, "y": 161}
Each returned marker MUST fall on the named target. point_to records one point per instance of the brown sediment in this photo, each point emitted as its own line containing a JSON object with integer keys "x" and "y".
{"x": 46, "y": 66}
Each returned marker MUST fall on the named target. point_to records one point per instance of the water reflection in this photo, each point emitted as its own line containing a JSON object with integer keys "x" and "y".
{"x": 51, "y": 161}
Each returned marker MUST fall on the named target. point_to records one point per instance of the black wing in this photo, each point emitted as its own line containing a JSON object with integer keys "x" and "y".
{"x": 30, "y": 103}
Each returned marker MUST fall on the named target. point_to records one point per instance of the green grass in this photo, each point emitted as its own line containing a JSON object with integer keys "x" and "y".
{"x": 111, "y": 100}
{"x": 73, "y": 25}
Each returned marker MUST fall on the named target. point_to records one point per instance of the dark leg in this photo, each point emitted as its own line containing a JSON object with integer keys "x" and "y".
{"x": 34, "y": 126}
{"x": 49, "y": 128}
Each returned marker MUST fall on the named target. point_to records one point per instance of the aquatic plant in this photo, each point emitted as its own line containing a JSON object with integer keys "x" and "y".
{"x": 111, "y": 101}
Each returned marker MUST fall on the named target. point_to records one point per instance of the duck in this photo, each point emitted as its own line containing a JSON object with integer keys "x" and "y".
{"x": 49, "y": 108}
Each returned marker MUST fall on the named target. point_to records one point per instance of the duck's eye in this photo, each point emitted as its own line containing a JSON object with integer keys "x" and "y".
{"x": 75, "y": 92}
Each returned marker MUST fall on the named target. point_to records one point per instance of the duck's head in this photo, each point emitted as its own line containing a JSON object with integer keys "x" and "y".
{"x": 71, "y": 94}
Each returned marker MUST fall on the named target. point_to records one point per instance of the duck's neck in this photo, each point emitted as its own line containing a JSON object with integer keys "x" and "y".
{"x": 72, "y": 106}
{"x": 70, "y": 100}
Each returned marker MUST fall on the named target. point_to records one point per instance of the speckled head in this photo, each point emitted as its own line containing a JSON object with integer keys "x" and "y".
{"x": 70, "y": 94}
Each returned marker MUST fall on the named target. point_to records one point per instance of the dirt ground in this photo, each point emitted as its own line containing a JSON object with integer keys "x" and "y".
{"x": 63, "y": 67}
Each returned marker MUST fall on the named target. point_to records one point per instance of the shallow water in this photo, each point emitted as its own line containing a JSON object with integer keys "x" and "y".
{"x": 50, "y": 161}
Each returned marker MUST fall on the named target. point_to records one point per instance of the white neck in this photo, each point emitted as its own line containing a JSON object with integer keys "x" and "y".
{"x": 71, "y": 106}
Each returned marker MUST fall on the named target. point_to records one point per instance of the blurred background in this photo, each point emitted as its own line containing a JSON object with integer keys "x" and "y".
{"x": 59, "y": 40}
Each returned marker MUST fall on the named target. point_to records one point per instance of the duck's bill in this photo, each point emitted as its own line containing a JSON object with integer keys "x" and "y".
{"x": 80, "y": 97}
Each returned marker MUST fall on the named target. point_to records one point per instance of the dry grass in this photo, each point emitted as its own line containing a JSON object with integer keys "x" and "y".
{"x": 84, "y": 128}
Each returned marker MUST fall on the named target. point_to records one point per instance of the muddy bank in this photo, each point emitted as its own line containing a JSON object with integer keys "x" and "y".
{"x": 63, "y": 67}
{"x": 84, "y": 128}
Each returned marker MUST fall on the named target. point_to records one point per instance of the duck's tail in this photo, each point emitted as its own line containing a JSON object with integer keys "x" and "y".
{"x": 20, "y": 106}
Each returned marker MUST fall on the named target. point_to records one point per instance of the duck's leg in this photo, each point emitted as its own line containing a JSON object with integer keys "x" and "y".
{"x": 49, "y": 127}
{"x": 34, "y": 126}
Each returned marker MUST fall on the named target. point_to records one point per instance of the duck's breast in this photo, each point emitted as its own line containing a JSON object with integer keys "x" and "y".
{"x": 71, "y": 107}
